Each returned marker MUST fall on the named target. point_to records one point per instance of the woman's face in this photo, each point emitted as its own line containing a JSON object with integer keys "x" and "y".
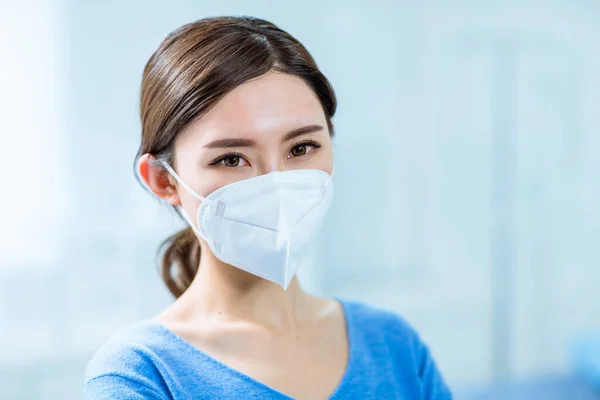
{"x": 272, "y": 123}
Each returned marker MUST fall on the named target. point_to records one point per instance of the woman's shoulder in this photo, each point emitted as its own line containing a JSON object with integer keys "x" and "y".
{"x": 377, "y": 331}
{"x": 130, "y": 357}
{"x": 394, "y": 340}
{"x": 373, "y": 318}
{"x": 124, "y": 349}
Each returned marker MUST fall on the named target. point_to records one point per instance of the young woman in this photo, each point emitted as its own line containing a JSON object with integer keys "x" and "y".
{"x": 236, "y": 135}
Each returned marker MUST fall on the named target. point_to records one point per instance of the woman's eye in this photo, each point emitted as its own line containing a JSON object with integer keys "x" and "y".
{"x": 301, "y": 150}
{"x": 233, "y": 161}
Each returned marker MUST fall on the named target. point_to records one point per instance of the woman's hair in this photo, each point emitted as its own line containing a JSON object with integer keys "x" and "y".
{"x": 194, "y": 67}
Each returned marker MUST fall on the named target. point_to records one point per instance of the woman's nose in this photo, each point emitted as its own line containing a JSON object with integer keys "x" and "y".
{"x": 271, "y": 164}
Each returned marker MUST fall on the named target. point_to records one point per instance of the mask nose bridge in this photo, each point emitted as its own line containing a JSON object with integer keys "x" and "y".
{"x": 221, "y": 207}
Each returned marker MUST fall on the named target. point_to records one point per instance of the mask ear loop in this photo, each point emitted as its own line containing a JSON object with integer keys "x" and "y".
{"x": 192, "y": 192}
{"x": 189, "y": 221}
{"x": 182, "y": 183}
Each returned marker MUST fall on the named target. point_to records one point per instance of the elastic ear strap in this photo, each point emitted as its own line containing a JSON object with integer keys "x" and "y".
{"x": 181, "y": 182}
{"x": 189, "y": 221}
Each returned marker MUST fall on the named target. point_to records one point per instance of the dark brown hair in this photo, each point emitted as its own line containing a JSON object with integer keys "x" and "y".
{"x": 193, "y": 68}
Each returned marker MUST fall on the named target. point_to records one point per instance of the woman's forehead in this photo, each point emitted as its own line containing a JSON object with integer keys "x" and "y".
{"x": 261, "y": 109}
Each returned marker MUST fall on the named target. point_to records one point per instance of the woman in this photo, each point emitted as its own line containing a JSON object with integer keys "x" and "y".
{"x": 236, "y": 135}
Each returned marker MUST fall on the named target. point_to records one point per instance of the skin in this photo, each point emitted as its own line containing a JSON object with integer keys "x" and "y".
{"x": 289, "y": 340}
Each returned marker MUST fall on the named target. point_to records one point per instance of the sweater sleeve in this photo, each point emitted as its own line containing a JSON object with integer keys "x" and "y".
{"x": 432, "y": 383}
{"x": 411, "y": 351}
{"x": 113, "y": 387}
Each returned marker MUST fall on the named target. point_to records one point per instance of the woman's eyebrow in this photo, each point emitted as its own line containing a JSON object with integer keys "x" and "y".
{"x": 301, "y": 131}
{"x": 226, "y": 143}
{"x": 232, "y": 142}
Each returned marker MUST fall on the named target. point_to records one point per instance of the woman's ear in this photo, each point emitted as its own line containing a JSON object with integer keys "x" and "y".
{"x": 158, "y": 180}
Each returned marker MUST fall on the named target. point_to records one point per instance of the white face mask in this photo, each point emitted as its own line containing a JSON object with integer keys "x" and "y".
{"x": 264, "y": 225}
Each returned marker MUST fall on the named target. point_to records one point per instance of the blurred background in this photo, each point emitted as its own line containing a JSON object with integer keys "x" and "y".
{"x": 467, "y": 182}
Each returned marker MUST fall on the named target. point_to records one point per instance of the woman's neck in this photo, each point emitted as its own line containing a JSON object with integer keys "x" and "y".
{"x": 225, "y": 292}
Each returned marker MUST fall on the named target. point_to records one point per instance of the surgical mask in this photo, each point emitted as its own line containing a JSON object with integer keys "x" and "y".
{"x": 265, "y": 225}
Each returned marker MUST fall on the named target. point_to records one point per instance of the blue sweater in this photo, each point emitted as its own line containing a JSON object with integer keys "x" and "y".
{"x": 386, "y": 360}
